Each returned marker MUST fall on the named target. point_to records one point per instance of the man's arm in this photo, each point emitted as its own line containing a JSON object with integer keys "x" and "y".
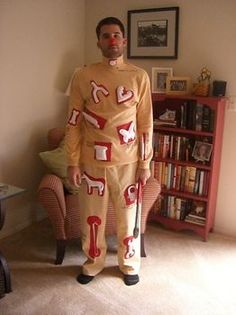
{"x": 145, "y": 130}
{"x": 74, "y": 175}
{"x": 73, "y": 132}
{"x": 142, "y": 175}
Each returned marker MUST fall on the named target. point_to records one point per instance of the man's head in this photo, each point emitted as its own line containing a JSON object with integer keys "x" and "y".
{"x": 110, "y": 33}
{"x": 110, "y": 21}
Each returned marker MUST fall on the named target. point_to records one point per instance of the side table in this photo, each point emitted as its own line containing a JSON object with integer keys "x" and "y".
{"x": 6, "y": 192}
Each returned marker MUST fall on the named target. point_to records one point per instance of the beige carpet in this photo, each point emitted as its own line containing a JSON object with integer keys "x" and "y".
{"x": 182, "y": 275}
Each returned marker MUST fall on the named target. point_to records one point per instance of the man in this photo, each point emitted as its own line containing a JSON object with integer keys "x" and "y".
{"x": 109, "y": 148}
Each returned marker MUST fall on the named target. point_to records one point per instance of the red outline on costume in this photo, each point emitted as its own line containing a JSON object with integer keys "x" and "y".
{"x": 94, "y": 183}
{"x": 127, "y": 193}
{"x": 94, "y": 221}
{"x": 110, "y": 60}
{"x": 130, "y": 251}
{"x": 99, "y": 86}
{"x": 100, "y": 120}
{"x": 125, "y": 127}
{"x": 74, "y": 112}
{"x": 103, "y": 144}
{"x": 125, "y": 91}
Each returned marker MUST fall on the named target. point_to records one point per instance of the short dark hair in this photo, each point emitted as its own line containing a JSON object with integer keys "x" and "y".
{"x": 109, "y": 21}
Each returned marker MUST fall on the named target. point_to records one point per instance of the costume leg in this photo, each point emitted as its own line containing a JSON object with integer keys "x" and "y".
{"x": 93, "y": 202}
{"x": 123, "y": 195}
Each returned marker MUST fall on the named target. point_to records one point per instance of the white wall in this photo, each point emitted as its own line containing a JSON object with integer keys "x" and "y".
{"x": 41, "y": 42}
{"x": 206, "y": 38}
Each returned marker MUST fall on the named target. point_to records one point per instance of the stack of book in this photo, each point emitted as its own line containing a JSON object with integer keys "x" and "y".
{"x": 197, "y": 215}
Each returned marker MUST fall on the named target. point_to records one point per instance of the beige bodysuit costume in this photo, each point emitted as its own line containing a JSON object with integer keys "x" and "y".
{"x": 109, "y": 135}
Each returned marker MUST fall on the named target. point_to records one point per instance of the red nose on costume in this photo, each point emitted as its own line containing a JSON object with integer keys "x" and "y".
{"x": 112, "y": 41}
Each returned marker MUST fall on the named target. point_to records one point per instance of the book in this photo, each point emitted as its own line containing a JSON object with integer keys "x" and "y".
{"x": 192, "y": 177}
{"x": 198, "y": 117}
{"x": 183, "y": 115}
{"x": 212, "y": 121}
{"x": 168, "y": 182}
{"x": 174, "y": 178}
{"x": 194, "y": 221}
{"x": 172, "y": 210}
{"x": 182, "y": 178}
{"x": 171, "y": 147}
{"x": 191, "y": 110}
{"x": 206, "y": 118}
{"x": 206, "y": 183}
{"x": 201, "y": 180}
{"x": 178, "y": 207}
{"x": 183, "y": 209}
{"x": 186, "y": 178}
{"x": 157, "y": 123}
{"x": 178, "y": 177}
{"x": 166, "y": 146}
{"x": 164, "y": 206}
{"x": 196, "y": 184}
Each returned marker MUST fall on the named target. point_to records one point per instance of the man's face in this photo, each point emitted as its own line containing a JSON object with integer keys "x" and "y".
{"x": 111, "y": 41}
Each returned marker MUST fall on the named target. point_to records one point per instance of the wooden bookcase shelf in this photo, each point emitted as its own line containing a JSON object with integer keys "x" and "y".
{"x": 189, "y": 185}
{"x": 184, "y": 131}
{"x": 179, "y": 162}
{"x": 185, "y": 195}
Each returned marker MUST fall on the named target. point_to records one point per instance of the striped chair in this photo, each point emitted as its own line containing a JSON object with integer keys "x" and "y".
{"x": 63, "y": 210}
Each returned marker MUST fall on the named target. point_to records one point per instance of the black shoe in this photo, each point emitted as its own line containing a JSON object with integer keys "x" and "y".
{"x": 84, "y": 279}
{"x": 131, "y": 279}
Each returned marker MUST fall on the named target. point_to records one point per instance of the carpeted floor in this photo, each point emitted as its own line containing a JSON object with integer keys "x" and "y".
{"x": 182, "y": 275}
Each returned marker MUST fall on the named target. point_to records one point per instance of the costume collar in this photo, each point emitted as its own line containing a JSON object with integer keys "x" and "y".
{"x": 113, "y": 62}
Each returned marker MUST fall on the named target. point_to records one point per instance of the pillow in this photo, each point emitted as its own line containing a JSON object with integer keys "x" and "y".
{"x": 55, "y": 161}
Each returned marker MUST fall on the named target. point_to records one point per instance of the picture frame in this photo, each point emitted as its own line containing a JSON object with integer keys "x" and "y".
{"x": 159, "y": 76}
{"x": 153, "y": 33}
{"x": 202, "y": 151}
{"x": 178, "y": 85}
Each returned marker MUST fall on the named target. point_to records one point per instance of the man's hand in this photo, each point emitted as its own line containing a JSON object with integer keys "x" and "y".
{"x": 142, "y": 175}
{"x": 74, "y": 175}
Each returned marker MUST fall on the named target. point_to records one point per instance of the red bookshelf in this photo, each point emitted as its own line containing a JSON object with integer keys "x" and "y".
{"x": 189, "y": 185}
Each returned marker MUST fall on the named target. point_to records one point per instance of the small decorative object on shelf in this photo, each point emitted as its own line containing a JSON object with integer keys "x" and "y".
{"x": 219, "y": 88}
{"x": 178, "y": 85}
{"x": 187, "y": 142}
{"x": 167, "y": 118}
{"x": 203, "y": 86}
{"x": 202, "y": 151}
{"x": 159, "y": 76}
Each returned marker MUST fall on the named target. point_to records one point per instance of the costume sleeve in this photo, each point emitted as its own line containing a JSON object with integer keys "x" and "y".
{"x": 73, "y": 126}
{"x": 145, "y": 123}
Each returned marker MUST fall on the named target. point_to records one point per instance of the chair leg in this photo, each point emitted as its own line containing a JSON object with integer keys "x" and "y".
{"x": 61, "y": 248}
{"x": 142, "y": 247}
{"x": 5, "y": 275}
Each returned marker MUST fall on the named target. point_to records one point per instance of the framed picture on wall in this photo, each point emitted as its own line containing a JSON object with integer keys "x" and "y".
{"x": 153, "y": 33}
{"x": 159, "y": 76}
